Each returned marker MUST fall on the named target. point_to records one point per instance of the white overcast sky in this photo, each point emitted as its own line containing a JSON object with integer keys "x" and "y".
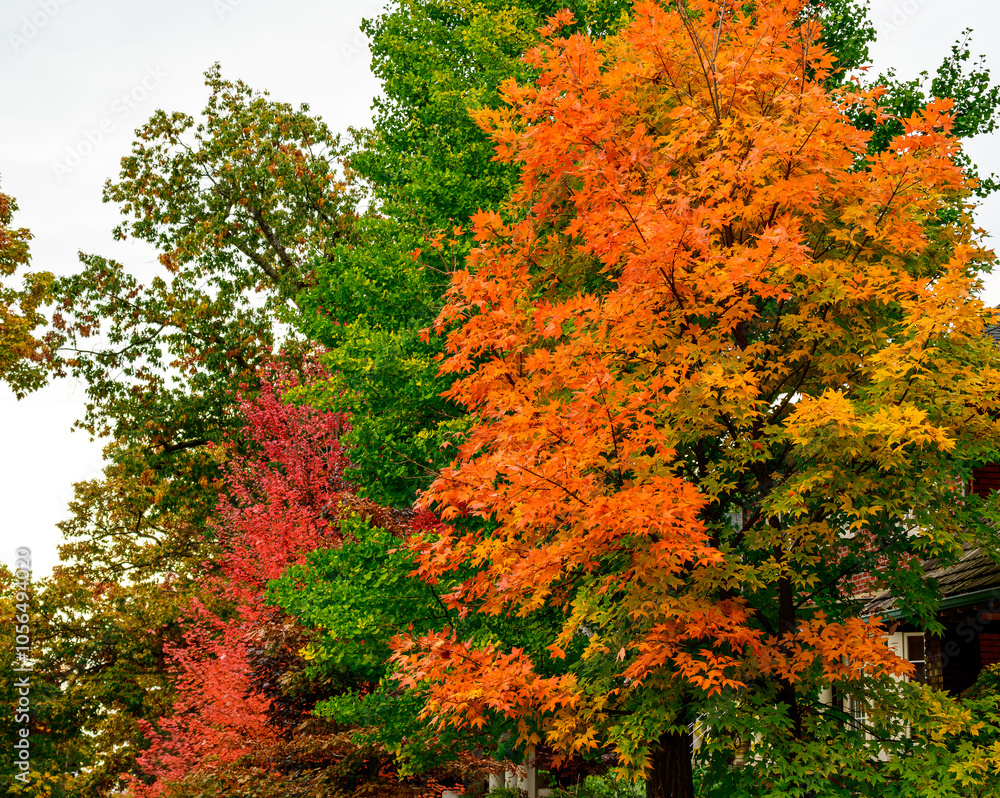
{"x": 69, "y": 68}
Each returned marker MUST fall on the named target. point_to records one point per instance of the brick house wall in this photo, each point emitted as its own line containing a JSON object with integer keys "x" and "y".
{"x": 865, "y": 584}
{"x": 986, "y": 480}
{"x": 989, "y": 648}
{"x": 935, "y": 661}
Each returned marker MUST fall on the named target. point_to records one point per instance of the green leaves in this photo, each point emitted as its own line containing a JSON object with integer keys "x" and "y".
{"x": 960, "y": 77}
{"x": 243, "y": 196}
{"x": 928, "y": 745}
{"x": 358, "y": 596}
{"x": 429, "y": 168}
{"x": 240, "y": 203}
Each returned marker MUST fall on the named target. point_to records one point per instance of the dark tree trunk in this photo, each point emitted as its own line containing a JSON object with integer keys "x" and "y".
{"x": 788, "y": 624}
{"x": 670, "y": 773}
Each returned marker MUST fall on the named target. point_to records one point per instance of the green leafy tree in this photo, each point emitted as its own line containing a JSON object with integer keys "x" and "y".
{"x": 427, "y": 167}
{"x": 239, "y": 203}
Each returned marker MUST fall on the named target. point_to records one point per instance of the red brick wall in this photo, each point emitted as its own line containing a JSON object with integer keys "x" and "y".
{"x": 989, "y": 648}
{"x": 986, "y": 479}
{"x": 866, "y": 582}
{"x": 934, "y": 659}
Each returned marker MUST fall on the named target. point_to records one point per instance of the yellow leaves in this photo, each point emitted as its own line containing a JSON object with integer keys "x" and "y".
{"x": 308, "y": 652}
{"x": 885, "y": 434}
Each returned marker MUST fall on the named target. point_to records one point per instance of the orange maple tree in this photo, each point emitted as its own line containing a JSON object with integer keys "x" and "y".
{"x": 713, "y": 338}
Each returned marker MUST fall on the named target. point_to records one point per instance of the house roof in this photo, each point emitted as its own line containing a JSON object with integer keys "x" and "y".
{"x": 974, "y": 574}
{"x": 994, "y": 333}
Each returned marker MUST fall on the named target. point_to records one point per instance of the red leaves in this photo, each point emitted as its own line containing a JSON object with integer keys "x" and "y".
{"x": 215, "y": 718}
{"x": 283, "y": 492}
{"x": 281, "y": 500}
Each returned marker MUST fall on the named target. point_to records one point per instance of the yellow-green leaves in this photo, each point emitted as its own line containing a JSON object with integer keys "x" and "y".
{"x": 21, "y": 352}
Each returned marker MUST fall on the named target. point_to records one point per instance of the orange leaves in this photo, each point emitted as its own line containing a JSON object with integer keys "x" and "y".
{"x": 560, "y": 19}
{"x": 703, "y": 643}
{"x": 709, "y": 299}
{"x": 846, "y": 651}
{"x": 466, "y": 684}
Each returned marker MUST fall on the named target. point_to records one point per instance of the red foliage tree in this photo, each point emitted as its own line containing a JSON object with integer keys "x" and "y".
{"x": 280, "y": 492}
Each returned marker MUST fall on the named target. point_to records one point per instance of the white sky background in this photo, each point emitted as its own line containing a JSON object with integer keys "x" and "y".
{"x": 65, "y": 80}
{"x": 68, "y": 76}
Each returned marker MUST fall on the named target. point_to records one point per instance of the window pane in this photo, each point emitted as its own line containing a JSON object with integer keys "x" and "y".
{"x": 915, "y": 648}
{"x": 858, "y": 713}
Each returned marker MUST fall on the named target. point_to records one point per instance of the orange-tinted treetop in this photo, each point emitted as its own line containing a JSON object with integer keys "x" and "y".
{"x": 707, "y": 301}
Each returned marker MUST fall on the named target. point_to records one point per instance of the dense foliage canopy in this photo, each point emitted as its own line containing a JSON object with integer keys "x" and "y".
{"x": 550, "y": 413}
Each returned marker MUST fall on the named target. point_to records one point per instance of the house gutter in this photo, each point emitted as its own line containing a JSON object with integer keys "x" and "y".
{"x": 950, "y": 602}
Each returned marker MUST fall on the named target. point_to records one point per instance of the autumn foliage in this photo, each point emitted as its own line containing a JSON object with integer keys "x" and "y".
{"x": 21, "y": 351}
{"x": 708, "y": 354}
{"x": 712, "y": 337}
{"x": 279, "y": 501}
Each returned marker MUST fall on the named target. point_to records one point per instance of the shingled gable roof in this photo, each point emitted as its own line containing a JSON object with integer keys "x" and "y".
{"x": 976, "y": 577}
